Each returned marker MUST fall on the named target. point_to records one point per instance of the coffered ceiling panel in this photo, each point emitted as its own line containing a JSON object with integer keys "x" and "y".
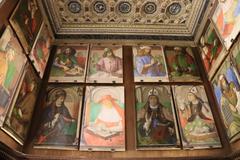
{"x": 125, "y": 17}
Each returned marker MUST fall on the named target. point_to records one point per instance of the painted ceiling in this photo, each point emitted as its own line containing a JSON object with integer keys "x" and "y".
{"x": 125, "y": 17}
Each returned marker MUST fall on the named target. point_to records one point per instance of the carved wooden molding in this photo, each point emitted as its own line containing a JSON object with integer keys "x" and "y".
{"x": 128, "y": 17}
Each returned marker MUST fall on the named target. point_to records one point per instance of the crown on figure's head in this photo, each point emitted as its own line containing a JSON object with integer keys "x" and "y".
{"x": 153, "y": 92}
{"x": 193, "y": 90}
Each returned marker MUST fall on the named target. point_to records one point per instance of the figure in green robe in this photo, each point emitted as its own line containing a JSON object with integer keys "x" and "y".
{"x": 183, "y": 63}
{"x": 66, "y": 64}
{"x": 230, "y": 105}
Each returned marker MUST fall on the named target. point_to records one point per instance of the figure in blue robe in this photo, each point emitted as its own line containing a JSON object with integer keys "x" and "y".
{"x": 146, "y": 65}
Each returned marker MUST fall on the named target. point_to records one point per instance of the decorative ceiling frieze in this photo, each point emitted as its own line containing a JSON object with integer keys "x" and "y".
{"x": 125, "y": 17}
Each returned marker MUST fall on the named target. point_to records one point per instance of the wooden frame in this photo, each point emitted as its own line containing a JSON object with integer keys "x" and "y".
{"x": 40, "y": 52}
{"x": 104, "y": 68}
{"x": 212, "y": 50}
{"x": 72, "y": 66}
{"x": 155, "y": 58}
{"x": 235, "y": 55}
{"x": 103, "y": 124}
{"x": 227, "y": 80}
{"x": 187, "y": 70}
{"x": 26, "y": 21}
{"x": 227, "y": 11}
{"x": 12, "y": 60}
{"x": 131, "y": 152}
{"x": 162, "y": 133}
{"x": 17, "y": 121}
{"x": 197, "y": 126}
{"x": 60, "y": 124}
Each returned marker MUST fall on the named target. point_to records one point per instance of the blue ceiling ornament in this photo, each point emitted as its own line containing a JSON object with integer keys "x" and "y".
{"x": 74, "y": 7}
{"x": 100, "y": 7}
{"x": 174, "y": 8}
{"x": 124, "y": 7}
{"x": 150, "y": 8}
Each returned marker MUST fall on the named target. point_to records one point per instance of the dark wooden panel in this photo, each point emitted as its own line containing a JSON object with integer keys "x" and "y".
{"x": 129, "y": 84}
{"x": 7, "y": 140}
{"x": 6, "y": 11}
{"x": 130, "y": 127}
